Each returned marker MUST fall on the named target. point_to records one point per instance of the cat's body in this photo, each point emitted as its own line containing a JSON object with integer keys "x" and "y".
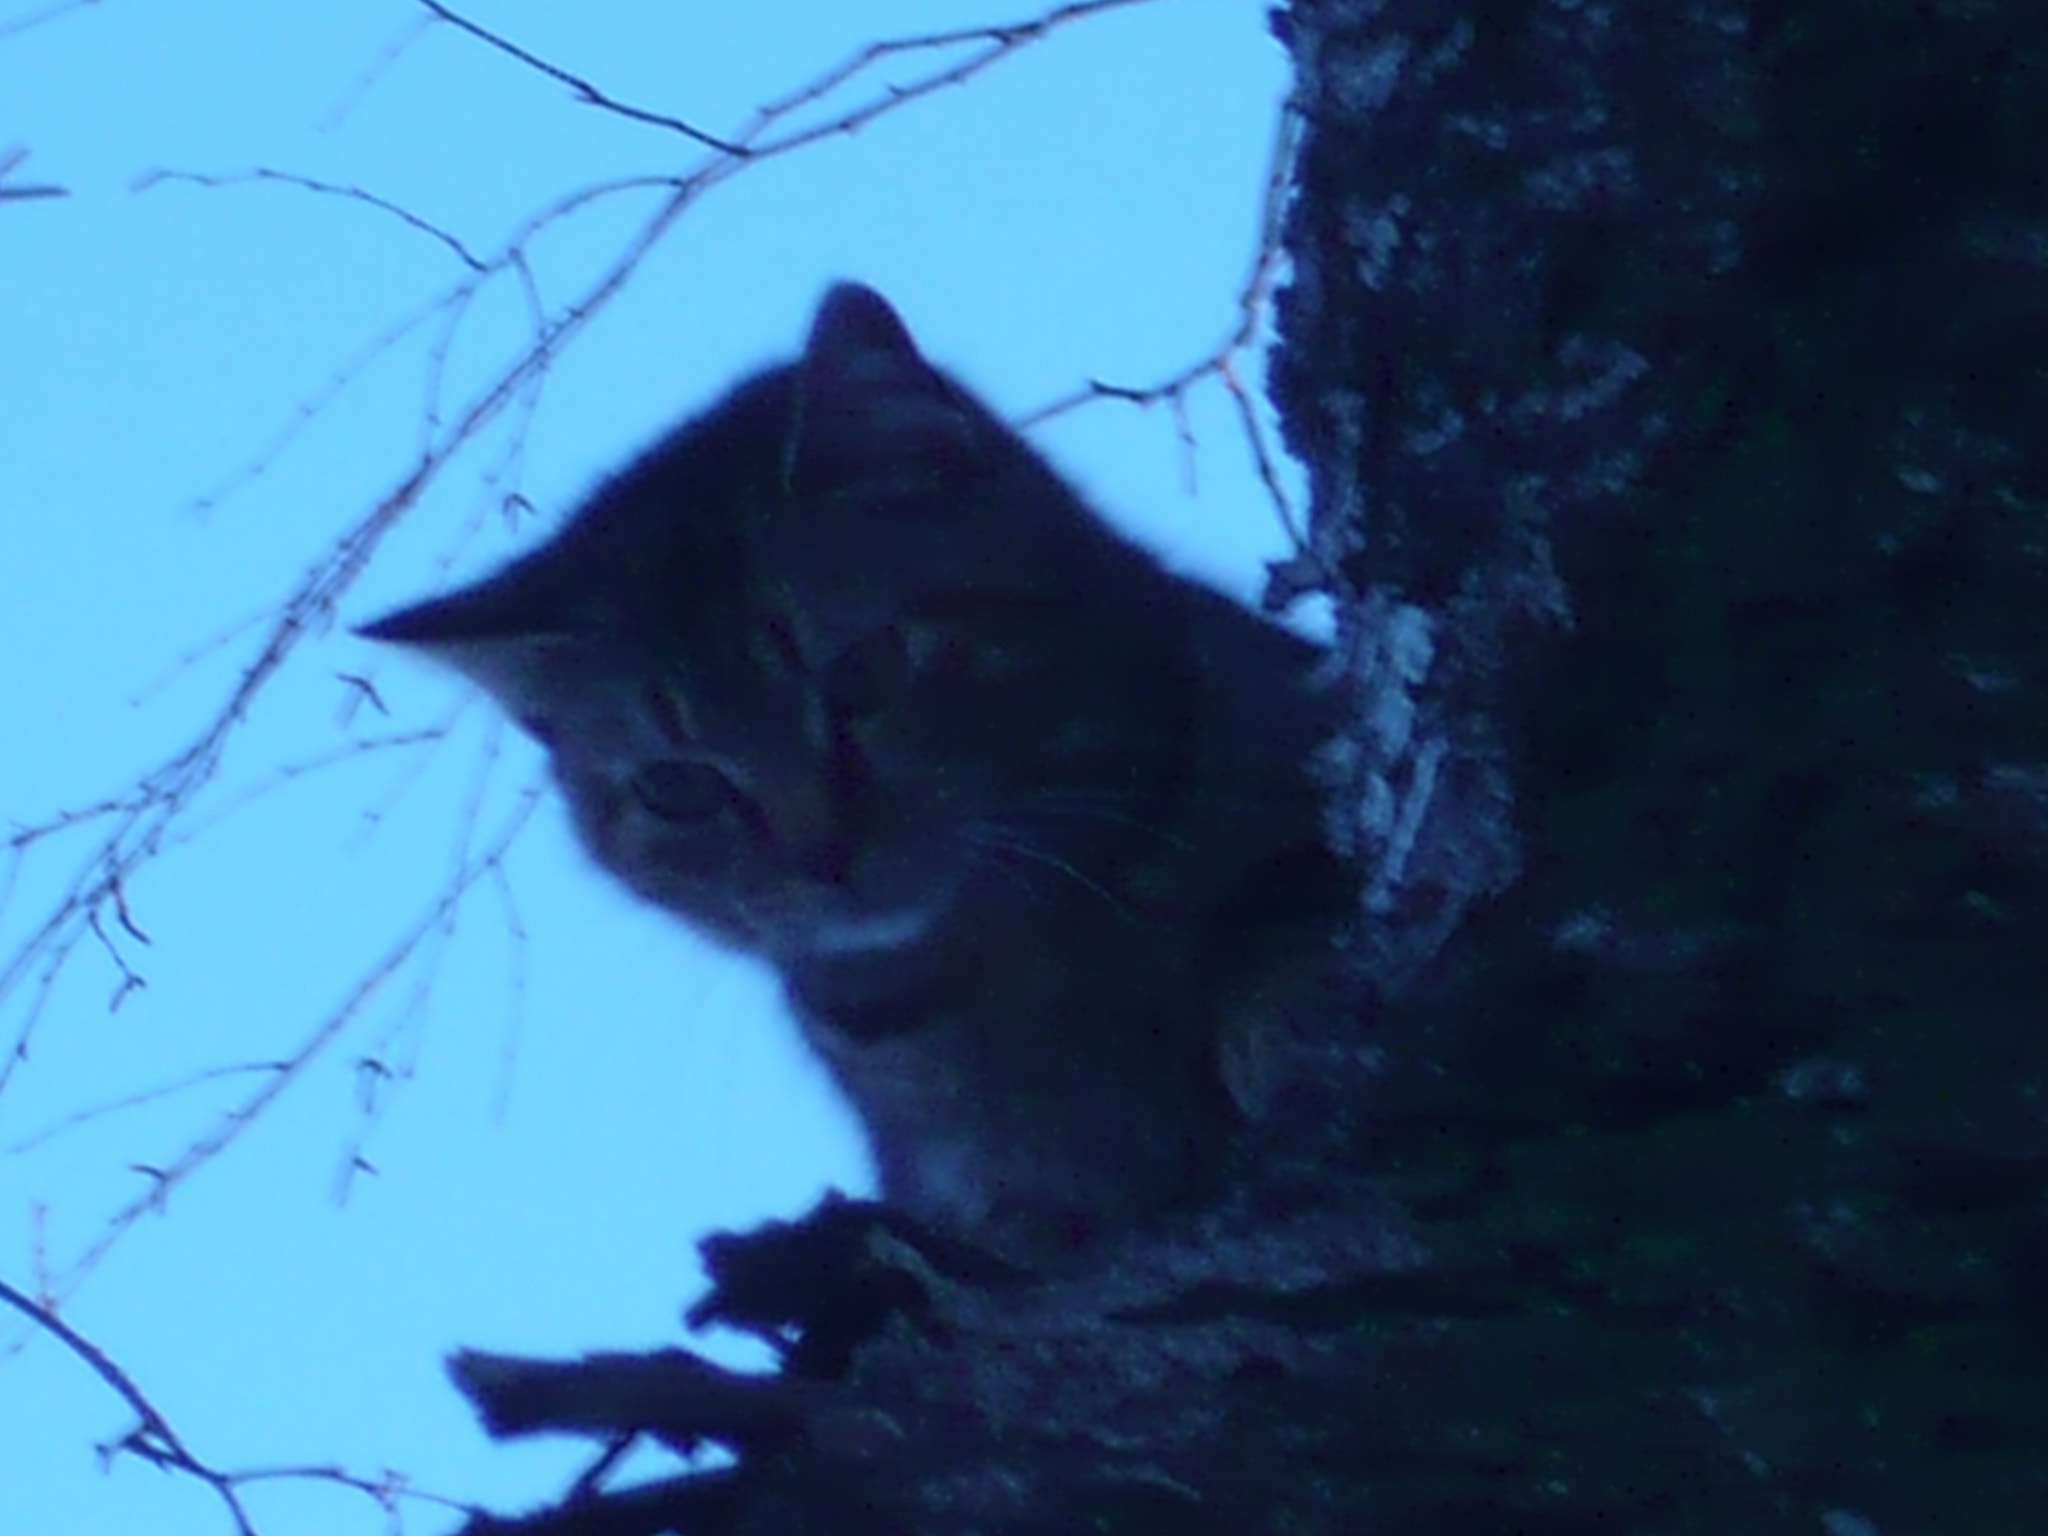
{"x": 845, "y": 676}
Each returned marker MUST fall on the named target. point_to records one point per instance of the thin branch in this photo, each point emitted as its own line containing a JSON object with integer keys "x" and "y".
{"x": 515, "y": 1020}
{"x": 144, "y": 819}
{"x": 588, "y": 92}
{"x": 153, "y": 1440}
{"x": 131, "y": 980}
{"x": 361, "y": 690}
{"x": 310, "y": 408}
{"x": 9, "y": 160}
{"x": 301, "y": 769}
{"x": 291, "y": 1068}
{"x": 999, "y": 38}
{"x": 999, "y": 42}
{"x": 156, "y": 1442}
{"x": 416, "y": 764}
{"x": 1222, "y": 362}
{"x": 219, "y": 640}
{"x": 396, "y": 1049}
{"x": 28, "y": 20}
{"x": 388, "y": 1489}
{"x": 382, "y": 63}
{"x": 153, "y": 178}
{"x": 136, "y": 1100}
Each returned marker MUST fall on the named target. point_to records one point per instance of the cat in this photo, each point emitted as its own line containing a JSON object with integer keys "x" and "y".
{"x": 844, "y": 675}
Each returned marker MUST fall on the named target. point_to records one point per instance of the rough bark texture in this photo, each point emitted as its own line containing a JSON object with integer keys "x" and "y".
{"x": 1673, "y": 382}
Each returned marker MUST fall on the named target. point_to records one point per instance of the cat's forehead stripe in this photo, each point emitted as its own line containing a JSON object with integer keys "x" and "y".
{"x": 669, "y": 702}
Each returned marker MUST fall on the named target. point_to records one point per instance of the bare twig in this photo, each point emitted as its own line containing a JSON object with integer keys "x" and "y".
{"x": 300, "y": 769}
{"x": 1223, "y": 362}
{"x": 515, "y": 1020}
{"x": 183, "y": 1085}
{"x": 131, "y": 980}
{"x": 156, "y": 1442}
{"x": 293, "y": 1066}
{"x": 395, "y": 1049}
{"x": 152, "y": 1439}
{"x": 314, "y": 184}
{"x": 16, "y": 25}
{"x": 9, "y": 159}
{"x": 361, "y": 691}
{"x": 994, "y": 37}
{"x": 381, "y": 64}
{"x": 576, "y": 83}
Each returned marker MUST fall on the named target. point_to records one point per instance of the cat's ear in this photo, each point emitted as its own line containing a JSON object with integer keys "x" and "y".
{"x": 860, "y": 349}
{"x": 855, "y": 330}
{"x": 861, "y": 367}
{"x": 511, "y": 604}
{"x": 499, "y": 633}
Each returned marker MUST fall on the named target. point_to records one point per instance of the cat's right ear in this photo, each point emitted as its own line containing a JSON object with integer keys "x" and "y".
{"x": 495, "y": 633}
{"x": 500, "y": 607}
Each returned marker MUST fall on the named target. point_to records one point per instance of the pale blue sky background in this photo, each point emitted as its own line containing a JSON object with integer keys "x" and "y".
{"x": 589, "y": 1100}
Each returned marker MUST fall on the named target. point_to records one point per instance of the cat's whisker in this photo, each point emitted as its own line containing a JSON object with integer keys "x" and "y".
{"x": 1081, "y": 810}
{"x": 1108, "y": 802}
{"x": 1018, "y": 848}
{"x": 985, "y": 855}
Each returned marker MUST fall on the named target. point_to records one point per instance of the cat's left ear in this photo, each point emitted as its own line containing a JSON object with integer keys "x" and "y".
{"x": 861, "y": 367}
{"x": 860, "y": 351}
{"x": 856, "y": 329}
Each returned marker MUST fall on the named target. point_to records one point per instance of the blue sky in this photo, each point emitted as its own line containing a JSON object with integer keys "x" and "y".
{"x": 581, "y": 1088}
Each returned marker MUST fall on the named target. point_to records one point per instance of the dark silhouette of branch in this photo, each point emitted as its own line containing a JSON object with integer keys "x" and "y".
{"x": 155, "y": 1441}
{"x": 997, "y": 41}
{"x": 675, "y": 1396}
{"x": 314, "y": 184}
{"x": 319, "y": 1040}
{"x": 1223, "y": 362}
{"x": 576, "y": 83}
{"x": 171, "y": 1090}
{"x": 9, "y": 160}
{"x": 14, "y": 26}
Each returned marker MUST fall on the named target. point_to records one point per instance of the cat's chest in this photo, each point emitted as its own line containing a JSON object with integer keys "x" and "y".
{"x": 1059, "y": 1087}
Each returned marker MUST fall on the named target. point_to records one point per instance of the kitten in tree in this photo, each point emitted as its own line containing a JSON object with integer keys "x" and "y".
{"x": 844, "y": 675}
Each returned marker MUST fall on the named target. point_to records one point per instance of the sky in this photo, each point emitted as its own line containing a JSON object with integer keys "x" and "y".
{"x": 569, "y": 1088}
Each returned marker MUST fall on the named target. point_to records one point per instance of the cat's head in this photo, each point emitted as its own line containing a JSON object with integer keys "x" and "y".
{"x": 829, "y": 650}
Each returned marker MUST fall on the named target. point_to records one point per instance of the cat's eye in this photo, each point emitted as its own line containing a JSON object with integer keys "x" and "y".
{"x": 682, "y": 792}
{"x": 870, "y": 674}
